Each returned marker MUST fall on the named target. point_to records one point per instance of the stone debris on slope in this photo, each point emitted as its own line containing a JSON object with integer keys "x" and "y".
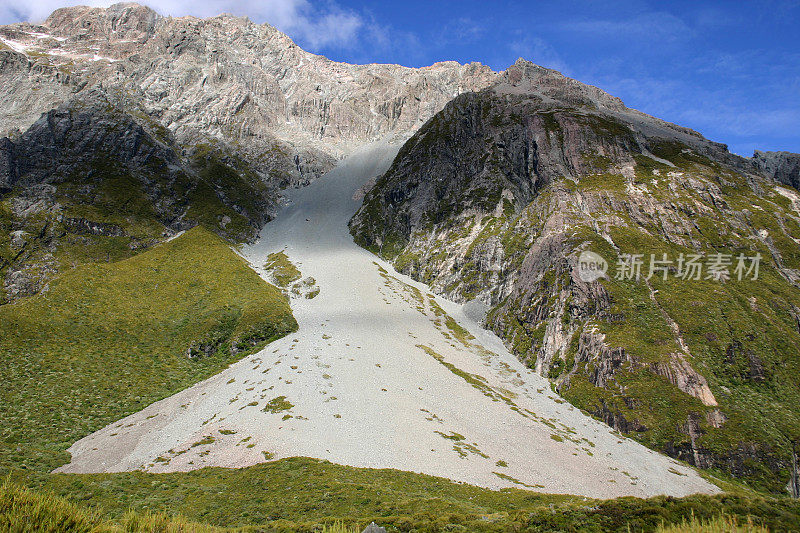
{"x": 380, "y": 374}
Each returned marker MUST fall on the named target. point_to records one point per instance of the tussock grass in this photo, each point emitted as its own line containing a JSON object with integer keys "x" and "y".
{"x": 283, "y": 271}
{"x": 339, "y": 527}
{"x": 133, "y": 522}
{"x": 301, "y": 494}
{"x": 106, "y": 340}
{"x": 23, "y": 510}
{"x": 718, "y": 524}
{"x": 315, "y": 496}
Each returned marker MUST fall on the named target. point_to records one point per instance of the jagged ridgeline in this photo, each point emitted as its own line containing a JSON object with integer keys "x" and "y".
{"x": 496, "y": 197}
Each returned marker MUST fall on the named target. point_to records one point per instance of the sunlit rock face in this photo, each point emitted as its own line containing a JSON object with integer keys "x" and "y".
{"x": 288, "y": 112}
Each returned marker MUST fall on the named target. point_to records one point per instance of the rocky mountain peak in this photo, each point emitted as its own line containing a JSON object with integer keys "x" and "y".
{"x": 524, "y": 77}
{"x": 524, "y": 70}
{"x": 122, "y": 21}
{"x": 222, "y": 80}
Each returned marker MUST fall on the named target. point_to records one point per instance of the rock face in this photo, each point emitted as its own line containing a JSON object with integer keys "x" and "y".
{"x": 287, "y": 112}
{"x": 29, "y": 88}
{"x": 74, "y": 133}
{"x": 497, "y": 196}
{"x": 89, "y": 140}
{"x": 781, "y": 166}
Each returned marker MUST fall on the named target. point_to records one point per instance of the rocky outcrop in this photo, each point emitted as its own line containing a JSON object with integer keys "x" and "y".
{"x": 125, "y": 21}
{"x": 680, "y": 373}
{"x": 90, "y": 181}
{"x": 82, "y": 226}
{"x": 783, "y": 167}
{"x": 615, "y": 419}
{"x": 8, "y": 170}
{"x": 76, "y": 133}
{"x": 29, "y": 88}
{"x": 607, "y": 361}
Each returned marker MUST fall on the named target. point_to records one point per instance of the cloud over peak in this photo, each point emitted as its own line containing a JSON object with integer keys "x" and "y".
{"x": 315, "y": 25}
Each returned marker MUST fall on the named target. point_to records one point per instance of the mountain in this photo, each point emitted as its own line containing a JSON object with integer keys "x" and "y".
{"x": 287, "y": 112}
{"x": 125, "y": 125}
{"x": 497, "y": 196}
{"x": 159, "y": 175}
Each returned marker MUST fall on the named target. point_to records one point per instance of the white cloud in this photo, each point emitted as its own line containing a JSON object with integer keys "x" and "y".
{"x": 36, "y": 10}
{"x": 314, "y": 25}
{"x": 383, "y": 40}
{"x": 461, "y": 30}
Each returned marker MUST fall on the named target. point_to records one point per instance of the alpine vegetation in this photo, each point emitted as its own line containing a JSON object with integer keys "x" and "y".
{"x": 244, "y": 286}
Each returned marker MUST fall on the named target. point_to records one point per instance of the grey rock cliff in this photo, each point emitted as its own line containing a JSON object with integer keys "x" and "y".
{"x": 288, "y": 112}
{"x": 88, "y": 179}
{"x": 781, "y": 166}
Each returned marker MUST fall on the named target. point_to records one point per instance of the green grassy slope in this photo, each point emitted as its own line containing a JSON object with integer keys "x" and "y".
{"x": 742, "y": 335}
{"x": 23, "y": 510}
{"x": 108, "y": 339}
{"x": 743, "y": 338}
{"x": 302, "y": 494}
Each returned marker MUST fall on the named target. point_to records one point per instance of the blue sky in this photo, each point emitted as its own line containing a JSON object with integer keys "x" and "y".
{"x": 730, "y": 70}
